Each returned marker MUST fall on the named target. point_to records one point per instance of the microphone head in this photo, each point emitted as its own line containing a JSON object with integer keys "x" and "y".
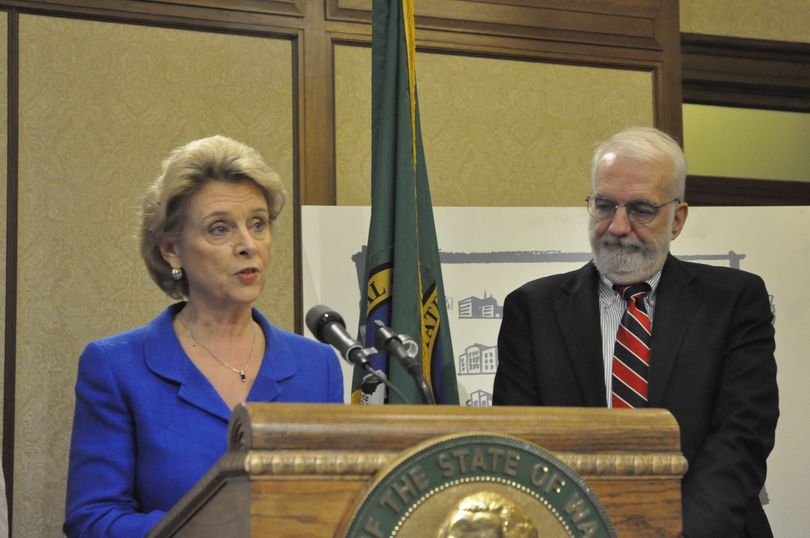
{"x": 319, "y": 316}
{"x": 382, "y": 335}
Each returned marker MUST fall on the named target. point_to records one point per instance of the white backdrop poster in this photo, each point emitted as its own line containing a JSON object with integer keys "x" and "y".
{"x": 488, "y": 252}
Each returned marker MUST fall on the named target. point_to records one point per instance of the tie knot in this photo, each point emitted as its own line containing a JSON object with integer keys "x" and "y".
{"x": 631, "y": 291}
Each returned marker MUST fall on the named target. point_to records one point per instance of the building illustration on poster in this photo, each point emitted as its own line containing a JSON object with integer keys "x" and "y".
{"x": 477, "y": 308}
{"x": 479, "y": 398}
{"x": 477, "y": 359}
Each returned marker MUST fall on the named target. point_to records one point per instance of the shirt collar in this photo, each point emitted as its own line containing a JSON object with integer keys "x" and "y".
{"x": 608, "y": 296}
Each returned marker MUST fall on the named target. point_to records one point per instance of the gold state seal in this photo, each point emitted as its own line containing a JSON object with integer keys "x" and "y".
{"x": 480, "y": 485}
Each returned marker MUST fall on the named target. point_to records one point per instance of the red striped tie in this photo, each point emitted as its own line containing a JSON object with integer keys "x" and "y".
{"x": 631, "y": 355}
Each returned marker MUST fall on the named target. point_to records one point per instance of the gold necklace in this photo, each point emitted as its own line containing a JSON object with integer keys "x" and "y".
{"x": 241, "y": 371}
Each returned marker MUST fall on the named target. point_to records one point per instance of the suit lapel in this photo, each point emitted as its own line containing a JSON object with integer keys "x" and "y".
{"x": 578, "y": 315}
{"x": 278, "y": 365}
{"x": 166, "y": 358}
{"x": 677, "y": 297}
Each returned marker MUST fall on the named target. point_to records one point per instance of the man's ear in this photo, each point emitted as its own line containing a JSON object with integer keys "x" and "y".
{"x": 169, "y": 251}
{"x": 681, "y": 212}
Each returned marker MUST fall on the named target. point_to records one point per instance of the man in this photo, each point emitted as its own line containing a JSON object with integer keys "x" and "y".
{"x": 709, "y": 358}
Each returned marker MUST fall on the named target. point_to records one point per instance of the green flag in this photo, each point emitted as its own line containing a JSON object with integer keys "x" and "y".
{"x": 403, "y": 273}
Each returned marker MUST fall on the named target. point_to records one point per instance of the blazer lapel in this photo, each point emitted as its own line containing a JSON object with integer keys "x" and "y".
{"x": 278, "y": 364}
{"x": 166, "y": 358}
{"x": 677, "y": 298}
{"x": 578, "y": 315}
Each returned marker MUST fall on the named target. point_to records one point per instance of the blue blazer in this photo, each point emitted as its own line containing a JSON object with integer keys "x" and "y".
{"x": 148, "y": 424}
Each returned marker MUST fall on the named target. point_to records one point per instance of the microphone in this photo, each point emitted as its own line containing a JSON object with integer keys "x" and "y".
{"x": 328, "y": 327}
{"x": 406, "y": 351}
{"x": 400, "y": 346}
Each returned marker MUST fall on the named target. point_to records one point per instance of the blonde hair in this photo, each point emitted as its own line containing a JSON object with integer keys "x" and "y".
{"x": 187, "y": 170}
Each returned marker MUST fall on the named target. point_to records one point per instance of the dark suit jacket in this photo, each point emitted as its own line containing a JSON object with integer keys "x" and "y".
{"x": 711, "y": 366}
{"x": 148, "y": 424}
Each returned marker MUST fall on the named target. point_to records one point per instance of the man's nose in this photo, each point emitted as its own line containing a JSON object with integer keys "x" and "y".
{"x": 620, "y": 222}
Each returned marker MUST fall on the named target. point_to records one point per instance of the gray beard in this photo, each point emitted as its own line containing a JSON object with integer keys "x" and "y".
{"x": 626, "y": 261}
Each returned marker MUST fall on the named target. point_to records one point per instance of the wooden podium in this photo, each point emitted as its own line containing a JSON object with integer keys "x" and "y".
{"x": 296, "y": 470}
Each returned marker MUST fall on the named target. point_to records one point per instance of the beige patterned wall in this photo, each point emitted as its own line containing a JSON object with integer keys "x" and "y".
{"x": 780, "y": 20}
{"x": 100, "y": 106}
{"x": 3, "y": 187}
{"x": 496, "y": 132}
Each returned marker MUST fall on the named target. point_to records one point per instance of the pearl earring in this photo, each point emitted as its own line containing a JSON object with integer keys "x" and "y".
{"x": 177, "y": 273}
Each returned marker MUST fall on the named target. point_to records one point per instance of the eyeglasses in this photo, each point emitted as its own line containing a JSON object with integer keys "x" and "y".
{"x": 638, "y": 211}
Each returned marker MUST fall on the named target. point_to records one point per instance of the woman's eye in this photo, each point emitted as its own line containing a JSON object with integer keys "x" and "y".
{"x": 218, "y": 229}
{"x": 259, "y": 225}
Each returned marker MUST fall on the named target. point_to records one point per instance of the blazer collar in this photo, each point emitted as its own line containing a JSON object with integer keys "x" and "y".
{"x": 578, "y": 315}
{"x": 278, "y": 365}
{"x": 678, "y": 296}
{"x": 165, "y": 357}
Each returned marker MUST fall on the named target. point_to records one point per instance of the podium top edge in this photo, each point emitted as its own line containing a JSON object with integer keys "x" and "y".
{"x": 333, "y": 426}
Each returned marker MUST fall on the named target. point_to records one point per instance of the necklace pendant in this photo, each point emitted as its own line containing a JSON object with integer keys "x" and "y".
{"x": 243, "y": 375}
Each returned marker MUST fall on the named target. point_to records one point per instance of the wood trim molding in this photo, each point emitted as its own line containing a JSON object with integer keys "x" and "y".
{"x": 746, "y": 72}
{"x": 12, "y": 250}
{"x": 279, "y": 7}
{"x": 370, "y": 462}
{"x": 707, "y": 190}
{"x": 623, "y": 25}
{"x": 280, "y": 17}
{"x": 255, "y": 7}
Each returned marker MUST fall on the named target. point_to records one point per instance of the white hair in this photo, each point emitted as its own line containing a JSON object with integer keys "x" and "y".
{"x": 646, "y": 144}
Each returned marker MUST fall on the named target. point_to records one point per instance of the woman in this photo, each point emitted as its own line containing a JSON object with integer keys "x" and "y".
{"x": 153, "y": 403}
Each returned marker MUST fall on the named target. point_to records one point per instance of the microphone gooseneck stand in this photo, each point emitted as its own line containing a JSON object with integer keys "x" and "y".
{"x": 405, "y": 350}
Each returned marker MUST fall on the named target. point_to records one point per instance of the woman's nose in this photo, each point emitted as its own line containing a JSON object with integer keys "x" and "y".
{"x": 245, "y": 244}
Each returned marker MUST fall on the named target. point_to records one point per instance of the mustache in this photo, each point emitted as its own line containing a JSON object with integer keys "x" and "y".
{"x": 621, "y": 242}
